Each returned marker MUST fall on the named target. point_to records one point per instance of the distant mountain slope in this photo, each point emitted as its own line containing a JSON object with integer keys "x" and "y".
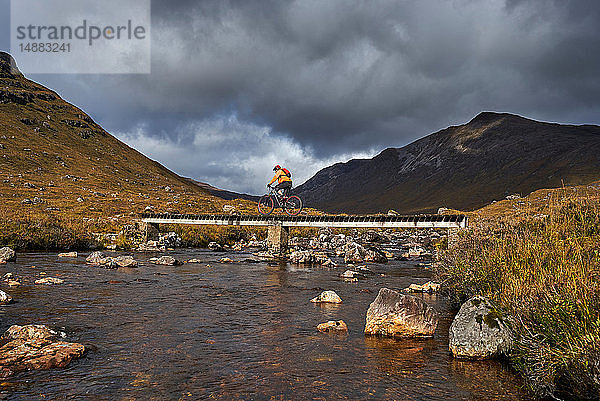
{"x": 462, "y": 167}
{"x": 54, "y": 159}
{"x": 224, "y": 194}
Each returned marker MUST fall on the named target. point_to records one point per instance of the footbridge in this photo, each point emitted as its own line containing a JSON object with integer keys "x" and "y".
{"x": 278, "y": 225}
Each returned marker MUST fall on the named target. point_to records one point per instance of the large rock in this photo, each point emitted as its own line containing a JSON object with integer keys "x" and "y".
{"x": 5, "y": 298}
{"x": 7, "y": 255}
{"x": 395, "y": 314}
{"x": 478, "y": 331}
{"x": 35, "y": 347}
{"x": 327, "y": 296}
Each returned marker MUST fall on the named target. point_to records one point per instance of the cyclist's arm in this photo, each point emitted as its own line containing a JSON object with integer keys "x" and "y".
{"x": 274, "y": 178}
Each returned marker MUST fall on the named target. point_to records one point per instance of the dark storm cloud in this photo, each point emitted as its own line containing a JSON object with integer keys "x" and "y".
{"x": 339, "y": 77}
{"x": 344, "y": 75}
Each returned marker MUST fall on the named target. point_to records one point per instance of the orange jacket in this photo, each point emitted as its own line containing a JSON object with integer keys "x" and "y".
{"x": 280, "y": 176}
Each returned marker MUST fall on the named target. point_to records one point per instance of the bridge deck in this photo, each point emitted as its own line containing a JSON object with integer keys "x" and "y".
{"x": 356, "y": 221}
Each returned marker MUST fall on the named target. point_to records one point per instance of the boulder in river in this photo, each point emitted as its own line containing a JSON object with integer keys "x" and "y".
{"x": 327, "y": 296}
{"x": 216, "y": 247}
{"x": 7, "y": 255}
{"x": 333, "y": 326}
{"x": 49, "y": 281}
{"x": 166, "y": 261}
{"x": 353, "y": 252}
{"x": 125, "y": 261}
{"x": 99, "y": 259}
{"x": 5, "y": 298}
{"x": 35, "y": 347}
{"x": 375, "y": 255}
{"x": 310, "y": 258}
{"x": 67, "y": 255}
{"x": 478, "y": 331}
{"x": 394, "y": 314}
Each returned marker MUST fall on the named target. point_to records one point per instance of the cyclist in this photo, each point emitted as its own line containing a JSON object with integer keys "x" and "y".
{"x": 284, "y": 180}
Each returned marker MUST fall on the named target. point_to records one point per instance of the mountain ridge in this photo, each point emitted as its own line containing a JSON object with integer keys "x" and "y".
{"x": 462, "y": 167}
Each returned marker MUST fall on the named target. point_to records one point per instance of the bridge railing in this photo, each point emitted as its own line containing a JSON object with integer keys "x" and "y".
{"x": 339, "y": 221}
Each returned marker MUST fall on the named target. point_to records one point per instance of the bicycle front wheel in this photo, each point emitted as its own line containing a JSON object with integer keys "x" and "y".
{"x": 266, "y": 205}
{"x": 293, "y": 205}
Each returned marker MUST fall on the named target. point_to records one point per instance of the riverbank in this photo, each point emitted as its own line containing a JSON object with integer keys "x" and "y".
{"x": 538, "y": 260}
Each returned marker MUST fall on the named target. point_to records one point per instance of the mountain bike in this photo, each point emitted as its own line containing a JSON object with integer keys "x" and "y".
{"x": 292, "y": 205}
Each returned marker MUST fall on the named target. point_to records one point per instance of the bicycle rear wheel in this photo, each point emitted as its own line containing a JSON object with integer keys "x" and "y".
{"x": 293, "y": 205}
{"x": 266, "y": 205}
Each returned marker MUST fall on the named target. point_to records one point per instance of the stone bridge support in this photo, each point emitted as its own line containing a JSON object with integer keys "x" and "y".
{"x": 277, "y": 240}
{"x": 151, "y": 231}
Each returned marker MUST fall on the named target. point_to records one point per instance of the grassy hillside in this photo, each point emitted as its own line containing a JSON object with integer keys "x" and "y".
{"x": 538, "y": 259}
{"x": 63, "y": 175}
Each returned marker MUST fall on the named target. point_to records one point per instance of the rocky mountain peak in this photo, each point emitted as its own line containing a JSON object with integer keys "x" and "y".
{"x": 8, "y": 66}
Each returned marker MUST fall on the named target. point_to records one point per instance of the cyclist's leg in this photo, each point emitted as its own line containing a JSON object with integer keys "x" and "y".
{"x": 288, "y": 189}
{"x": 284, "y": 188}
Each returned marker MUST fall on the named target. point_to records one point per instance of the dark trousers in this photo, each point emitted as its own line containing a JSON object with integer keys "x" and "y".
{"x": 286, "y": 186}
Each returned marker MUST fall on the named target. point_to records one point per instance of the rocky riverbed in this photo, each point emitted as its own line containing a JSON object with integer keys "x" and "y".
{"x": 230, "y": 324}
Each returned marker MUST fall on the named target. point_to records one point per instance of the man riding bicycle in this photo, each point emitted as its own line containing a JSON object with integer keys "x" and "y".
{"x": 284, "y": 180}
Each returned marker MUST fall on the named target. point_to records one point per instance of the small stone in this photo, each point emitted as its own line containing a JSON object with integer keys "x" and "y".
{"x": 429, "y": 286}
{"x": 226, "y": 260}
{"x": 213, "y": 246}
{"x": 67, "y": 255}
{"x": 13, "y": 283}
{"x": 98, "y": 259}
{"x": 5, "y": 298}
{"x": 327, "y": 296}
{"x": 351, "y": 276}
{"x": 49, "y": 281}
{"x": 194, "y": 261}
{"x": 166, "y": 261}
{"x": 229, "y": 209}
{"x": 125, "y": 261}
{"x": 333, "y": 326}
{"x": 7, "y": 254}
{"x": 95, "y": 257}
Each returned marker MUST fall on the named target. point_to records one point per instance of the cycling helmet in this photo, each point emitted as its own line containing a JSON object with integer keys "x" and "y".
{"x": 277, "y": 167}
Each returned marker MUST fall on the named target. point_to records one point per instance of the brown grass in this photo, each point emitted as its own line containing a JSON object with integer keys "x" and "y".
{"x": 538, "y": 259}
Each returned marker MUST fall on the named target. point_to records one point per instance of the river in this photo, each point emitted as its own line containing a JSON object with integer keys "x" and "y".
{"x": 235, "y": 331}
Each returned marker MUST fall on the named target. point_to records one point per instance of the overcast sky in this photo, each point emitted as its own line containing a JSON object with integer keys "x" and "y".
{"x": 238, "y": 86}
